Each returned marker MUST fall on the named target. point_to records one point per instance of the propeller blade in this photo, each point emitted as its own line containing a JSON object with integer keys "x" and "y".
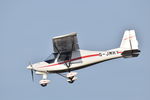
{"x": 32, "y": 71}
{"x": 32, "y": 75}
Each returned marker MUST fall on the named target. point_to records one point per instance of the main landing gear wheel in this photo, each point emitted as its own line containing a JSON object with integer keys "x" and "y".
{"x": 71, "y": 77}
{"x": 71, "y": 74}
{"x": 70, "y": 81}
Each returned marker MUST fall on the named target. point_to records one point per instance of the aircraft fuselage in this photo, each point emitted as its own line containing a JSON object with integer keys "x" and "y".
{"x": 85, "y": 59}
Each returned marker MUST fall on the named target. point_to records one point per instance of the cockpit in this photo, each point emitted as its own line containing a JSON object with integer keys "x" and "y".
{"x": 62, "y": 57}
{"x": 51, "y": 58}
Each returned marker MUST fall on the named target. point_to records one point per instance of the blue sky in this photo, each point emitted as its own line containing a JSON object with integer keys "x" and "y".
{"x": 26, "y": 30}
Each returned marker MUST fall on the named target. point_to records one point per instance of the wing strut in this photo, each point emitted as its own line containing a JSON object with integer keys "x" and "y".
{"x": 57, "y": 49}
{"x": 70, "y": 56}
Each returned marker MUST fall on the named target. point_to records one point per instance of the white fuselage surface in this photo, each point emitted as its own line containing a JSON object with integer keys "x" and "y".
{"x": 85, "y": 59}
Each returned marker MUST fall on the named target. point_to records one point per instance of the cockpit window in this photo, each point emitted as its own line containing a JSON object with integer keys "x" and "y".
{"x": 64, "y": 56}
{"x": 51, "y": 58}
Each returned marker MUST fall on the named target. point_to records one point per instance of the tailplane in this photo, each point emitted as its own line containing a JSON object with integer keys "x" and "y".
{"x": 129, "y": 44}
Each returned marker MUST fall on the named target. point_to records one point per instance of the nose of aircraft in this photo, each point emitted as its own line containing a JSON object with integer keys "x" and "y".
{"x": 29, "y": 67}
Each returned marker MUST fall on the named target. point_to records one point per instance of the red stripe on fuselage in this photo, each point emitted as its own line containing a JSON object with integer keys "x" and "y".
{"x": 119, "y": 52}
{"x": 70, "y": 60}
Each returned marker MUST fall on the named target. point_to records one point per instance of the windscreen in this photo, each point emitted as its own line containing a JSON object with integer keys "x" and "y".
{"x": 51, "y": 58}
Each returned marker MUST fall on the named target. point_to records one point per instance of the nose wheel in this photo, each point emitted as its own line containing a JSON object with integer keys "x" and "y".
{"x": 44, "y": 82}
{"x": 43, "y": 85}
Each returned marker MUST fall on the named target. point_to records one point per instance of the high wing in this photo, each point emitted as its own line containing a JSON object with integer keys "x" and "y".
{"x": 65, "y": 43}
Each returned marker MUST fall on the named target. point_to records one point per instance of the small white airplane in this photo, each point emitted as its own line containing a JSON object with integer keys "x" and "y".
{"x": 67, "y": 56}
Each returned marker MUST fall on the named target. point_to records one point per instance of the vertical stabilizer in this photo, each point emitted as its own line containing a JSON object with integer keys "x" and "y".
{"x": 129, "y": 44}
{"x": 125, "y": 44}
{"x": 129, "y": 41}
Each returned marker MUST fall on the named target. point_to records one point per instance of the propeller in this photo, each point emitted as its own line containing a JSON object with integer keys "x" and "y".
{"x": 32, "y": 74}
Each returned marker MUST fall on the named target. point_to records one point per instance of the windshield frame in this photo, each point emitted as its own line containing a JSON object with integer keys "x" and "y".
{"x": 51, "y": 58}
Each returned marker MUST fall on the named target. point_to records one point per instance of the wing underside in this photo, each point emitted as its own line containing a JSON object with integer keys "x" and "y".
{"x": 65, "y": 43}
